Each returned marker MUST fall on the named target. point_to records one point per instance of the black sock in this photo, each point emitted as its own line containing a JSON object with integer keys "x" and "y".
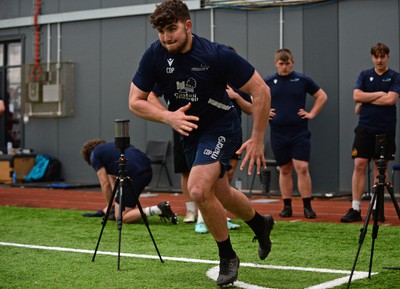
{"x": 307, "y": 203}
{"x": 257, "y": 224}
{"x": 287, "y": 202}
{"x": 225, "y": 249}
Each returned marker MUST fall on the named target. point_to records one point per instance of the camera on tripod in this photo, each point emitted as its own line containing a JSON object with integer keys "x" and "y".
{"x": 380, "y": 150}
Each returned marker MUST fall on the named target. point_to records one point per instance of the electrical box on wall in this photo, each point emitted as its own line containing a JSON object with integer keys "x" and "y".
{"x": 34, "y": 91}
{"x": 51, "y": 94}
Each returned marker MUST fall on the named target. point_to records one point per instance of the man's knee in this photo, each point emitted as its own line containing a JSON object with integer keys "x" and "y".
{"x": 360, "y": 165}
{"x": 197, "y": 195}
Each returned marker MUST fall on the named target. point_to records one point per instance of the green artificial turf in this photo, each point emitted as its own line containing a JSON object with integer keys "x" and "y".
{"x": 298, "y": 247}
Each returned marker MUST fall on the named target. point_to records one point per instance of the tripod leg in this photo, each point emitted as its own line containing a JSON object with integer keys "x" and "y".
{"x": 379, "y": 199}
{"x": 144, "y": 217}
{"x": 396, "y": 206}
{"x": 120, "y": 218}
{"x": 105, "y": 217}
{"x": 363, "y": 232}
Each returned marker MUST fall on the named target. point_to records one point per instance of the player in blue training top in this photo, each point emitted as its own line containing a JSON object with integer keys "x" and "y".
{"x": 103, "y": 157}
{"x": 375, "y": 93}
{"x": 192, "y": 73}
{"x": 290, "y": 137}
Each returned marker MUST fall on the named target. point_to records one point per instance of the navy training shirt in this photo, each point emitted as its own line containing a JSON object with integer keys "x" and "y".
{"x": 378, "y": 117}
{"x": 107, "y": 156}
{"x": 288, "y": 95}
{"x": 199, "y": 76}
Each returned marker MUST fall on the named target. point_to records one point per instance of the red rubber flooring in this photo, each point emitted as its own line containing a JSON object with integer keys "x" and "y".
{"x": 328, "y": 210}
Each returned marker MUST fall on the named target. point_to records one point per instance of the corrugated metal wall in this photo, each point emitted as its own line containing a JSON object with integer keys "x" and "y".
{"x": 330, "y": 43}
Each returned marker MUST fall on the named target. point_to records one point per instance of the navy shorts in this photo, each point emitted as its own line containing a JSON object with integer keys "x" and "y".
{"x": 291, "y": 144}
{"x": 218, "y": 143}
{"x": 364, "y": 145}
{"x": 139, "y": 182}
{"x": 180, "y": 164}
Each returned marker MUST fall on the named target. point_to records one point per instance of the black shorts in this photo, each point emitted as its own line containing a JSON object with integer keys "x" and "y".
{"x": 180, "y": 164}
{"x": 291, "y": 144}
{"x": 364, "y": 145}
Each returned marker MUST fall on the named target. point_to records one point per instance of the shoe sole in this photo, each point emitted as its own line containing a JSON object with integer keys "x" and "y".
{"x": 350, "y": 221}
{"x": 188, "y": 221}
{"x": 310, "y": 216}
{"x": 233, "y": 228}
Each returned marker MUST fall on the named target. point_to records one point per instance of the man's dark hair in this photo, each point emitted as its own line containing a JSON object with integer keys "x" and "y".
{"x": 168, "y": 12}
{"x": 380, "y": 49}
{"x": 283, "y": 54}
{"x": 88, "y": 147}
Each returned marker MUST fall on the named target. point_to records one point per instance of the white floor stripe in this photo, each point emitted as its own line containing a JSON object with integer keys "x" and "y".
{"x": 213, "y": 272}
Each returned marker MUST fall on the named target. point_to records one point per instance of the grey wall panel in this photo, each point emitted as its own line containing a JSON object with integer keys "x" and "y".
{"x": 202, "y": 23}
{"x": 26, "y": 7}
{"x": 81, "y": 43}
{"x": 119, "y": 3}
{"x": 68, "y": 6}
{"x": 330, "y": 43}
{"x": 263, "y": 40}
{"x": 121, "y": 41}
{"x": 293, "y": 37}
{"x": 10, "y": 9}
{"x": 47, "y": 7}
{"x": 321, "y": 64}
{"x": 231, "y": 29}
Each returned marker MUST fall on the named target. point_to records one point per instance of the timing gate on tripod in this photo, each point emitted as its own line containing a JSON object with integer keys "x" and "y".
{"x": 122, "y": 183}
{"x": 376, "y": 202}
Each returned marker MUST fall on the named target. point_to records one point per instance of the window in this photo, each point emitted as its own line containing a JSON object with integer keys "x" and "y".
{"x": 10, "y": 92}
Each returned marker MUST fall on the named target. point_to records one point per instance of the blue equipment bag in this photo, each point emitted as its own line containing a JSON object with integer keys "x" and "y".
{"x": 46, "y": 168}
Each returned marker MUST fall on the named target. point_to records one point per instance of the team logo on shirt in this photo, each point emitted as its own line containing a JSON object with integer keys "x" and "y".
{"x": 202, "y": 67}
{"x": 295, "y": 79}
{"x": 186, "y": 90}
{"x": 170, "y": 69}
{"x": 371, "y": 78}
{"x": 275, "y": 80}
{"x": 388, "y": 79}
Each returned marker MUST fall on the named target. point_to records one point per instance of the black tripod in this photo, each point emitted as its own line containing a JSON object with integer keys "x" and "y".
{"x": 122, "y": 141}
{"x": 377, "y": 200}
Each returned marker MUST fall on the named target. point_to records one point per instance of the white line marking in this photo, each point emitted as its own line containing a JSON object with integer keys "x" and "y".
{"x": 213, "y": 272}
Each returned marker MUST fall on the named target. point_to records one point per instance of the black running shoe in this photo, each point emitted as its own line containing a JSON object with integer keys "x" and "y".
{"x": 309, "y": 213}
{"x": 228, "y": 271}
{"x": 286, "y": 212}
{"x": 351, "y": 216}
{"x": 264, "y": 242}
{"x": 167, "y": 213}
